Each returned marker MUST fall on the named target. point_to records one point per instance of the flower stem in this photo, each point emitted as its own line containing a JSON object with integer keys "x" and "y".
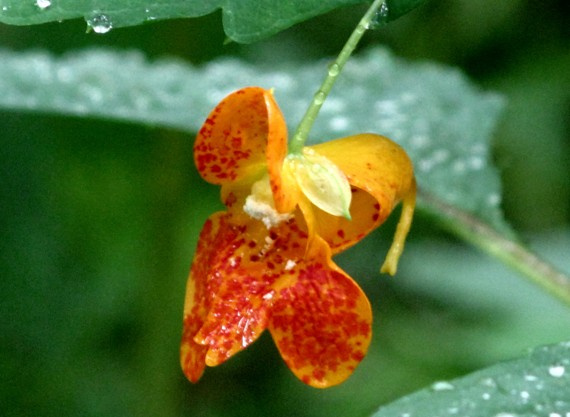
{"x": 367, "y": 21}
{"x": 508, "y": 251}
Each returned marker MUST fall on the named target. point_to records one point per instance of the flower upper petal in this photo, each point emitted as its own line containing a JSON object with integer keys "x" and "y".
{"x": 381, "y": 175}
{"x": 321, "y": 320}
{"x": 244, "y": 135}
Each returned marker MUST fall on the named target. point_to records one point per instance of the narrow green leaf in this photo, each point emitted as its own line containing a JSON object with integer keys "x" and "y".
{"x": 537, "y": 385}
{"x": 244, "y": 20}
{"x": 442, "y": 121}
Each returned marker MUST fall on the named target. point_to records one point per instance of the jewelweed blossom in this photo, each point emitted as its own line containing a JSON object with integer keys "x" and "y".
{"x": 266, "y": 262}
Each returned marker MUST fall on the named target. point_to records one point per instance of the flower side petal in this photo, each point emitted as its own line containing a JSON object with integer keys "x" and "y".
{"x": 321, "y": 320}
{"x": 381, "y": 175}
{"x": 192, "y": 355}
{"x": 249, "y": 260}
{"x": 243, "y": 132}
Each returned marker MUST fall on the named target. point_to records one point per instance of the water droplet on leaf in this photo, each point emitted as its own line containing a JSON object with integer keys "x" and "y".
{"x": 149, "y": 15}
{"x": 100, "y": 23}
{"x": 43, "y": 4}
{"x": 442, "y": 386}
{"x": 556, "y": 371}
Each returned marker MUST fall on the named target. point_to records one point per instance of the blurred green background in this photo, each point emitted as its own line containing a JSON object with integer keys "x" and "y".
{"x": 99, "y": 221}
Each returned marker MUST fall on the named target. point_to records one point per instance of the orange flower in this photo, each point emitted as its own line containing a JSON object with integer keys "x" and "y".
{"x": 266, "y": 262}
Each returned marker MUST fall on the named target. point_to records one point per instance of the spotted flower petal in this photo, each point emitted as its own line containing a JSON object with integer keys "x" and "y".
{"x": 321, "y": 320}
{"x": 231, "y": 286}
{"x": 245, "y": 278}
{"x": 196, "y": 304}
{"x": 242, "y": 138}
{"x": 381, "y": 175}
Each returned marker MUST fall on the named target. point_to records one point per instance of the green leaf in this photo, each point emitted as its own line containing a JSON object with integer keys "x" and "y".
{"x": 443, "y": 121}
{"x": 244, "y": 20}
{"x": 537, "y": 385}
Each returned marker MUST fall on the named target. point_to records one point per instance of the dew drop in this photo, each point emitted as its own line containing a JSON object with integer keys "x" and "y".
{"x": 100, "y": 23}
{"x": 290, "y": 265}
{"x": 269, "y": 295}
{"x": 489, "y": 382}
{"x": 442, "y": 386}
{"x": 476, "y": 163}
{"x": 334, "y": 70}
{"x": 556, "y": 371}
{"x": 380, "y": 17}
{"x": 43, "y": 4}
{"x": 149, "y": 15}
{"x": 319, "y": 98}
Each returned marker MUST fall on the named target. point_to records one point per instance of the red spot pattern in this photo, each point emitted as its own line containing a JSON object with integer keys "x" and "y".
{"x": 233, "y": 138}
{"x": 340, "y": 233}
{"x": 192, "y": 356}
{"x": 321, "y": 323}
{"x": 245, "y": 278}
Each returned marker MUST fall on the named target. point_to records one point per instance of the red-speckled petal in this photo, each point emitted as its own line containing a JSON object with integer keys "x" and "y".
{"x": 321, "y": 320}
{"x": 241, "y": 137}
{"x": 381, "y": 175}
{"x": 196, "y": 305}
{"x": 248, "y": 261}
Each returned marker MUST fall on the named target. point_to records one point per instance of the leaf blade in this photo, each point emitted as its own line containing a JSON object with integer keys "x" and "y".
{"x": 538, "y": 384}
{"x": 244, "y": 20}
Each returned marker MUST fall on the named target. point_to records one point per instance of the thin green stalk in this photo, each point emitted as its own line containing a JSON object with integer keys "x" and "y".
{"x": 508, "y": 251}
{"x": 367, "y": 21}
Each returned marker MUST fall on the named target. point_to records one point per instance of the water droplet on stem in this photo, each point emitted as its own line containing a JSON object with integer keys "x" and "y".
{"x": 380, "y": 17}
{"x": 320, "y": 98}
{"x": 334, "y": 70}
